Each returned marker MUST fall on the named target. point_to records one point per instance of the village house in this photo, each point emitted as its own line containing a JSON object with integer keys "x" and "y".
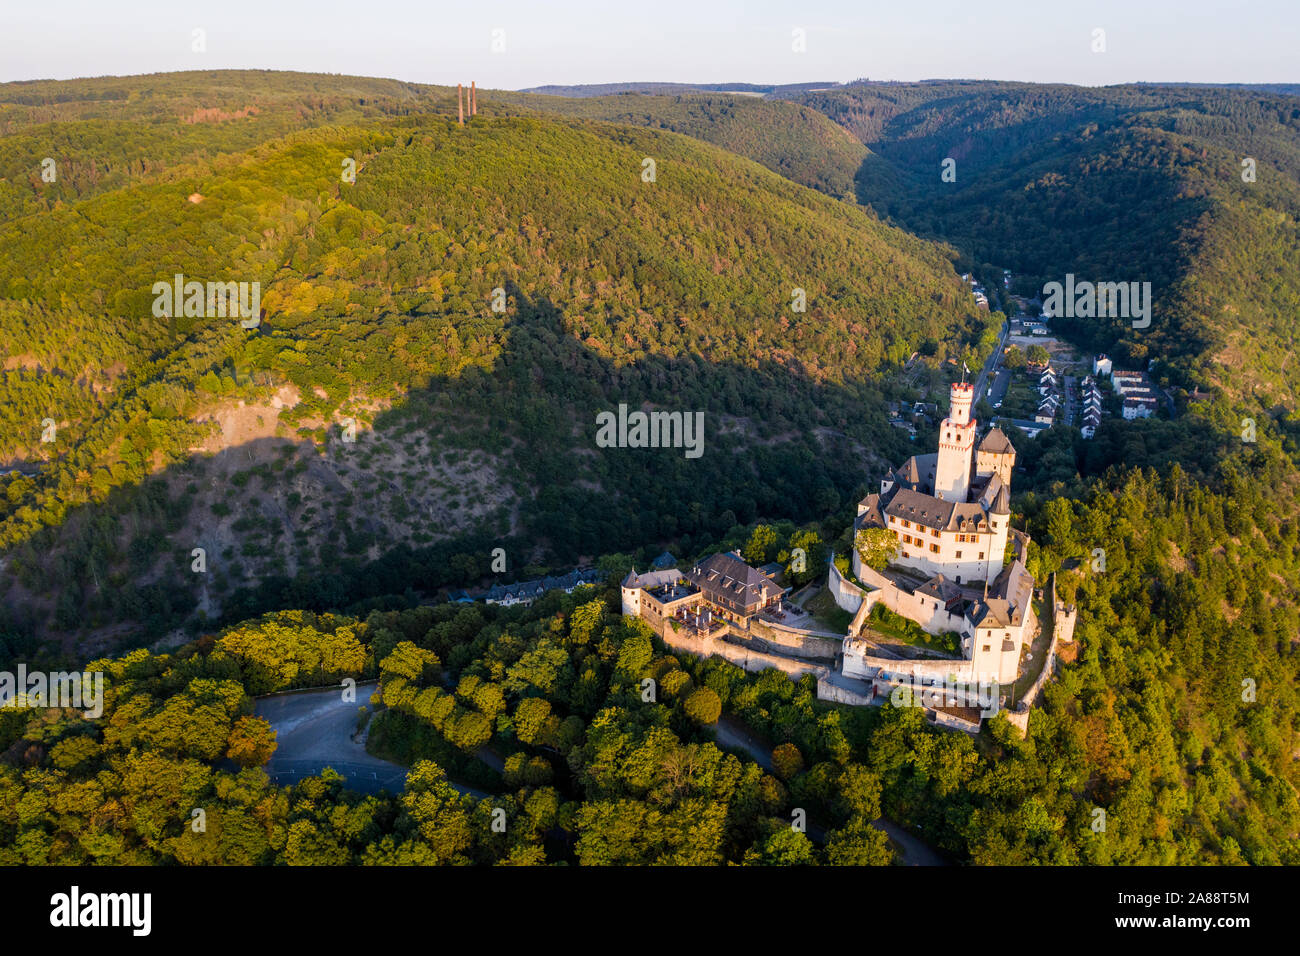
{"x": 526, "y": 592}
{"x": 1031, "y": 428}
{"x": 1091, "y": 407}
{"x": 1139, "y": 407}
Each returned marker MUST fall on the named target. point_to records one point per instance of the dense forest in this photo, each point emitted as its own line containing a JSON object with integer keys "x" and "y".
{"x": 1174, "y": 711}
{"x": 594, "y": 773}
{"x": 798, "y": 142}
{"x": 1130, "y": 183}
{"x": 713, "y": 286}
{"x": 1149, "y": 721}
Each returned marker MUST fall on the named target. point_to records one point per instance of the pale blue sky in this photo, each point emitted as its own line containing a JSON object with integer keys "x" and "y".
{"x": 702, "y": 41}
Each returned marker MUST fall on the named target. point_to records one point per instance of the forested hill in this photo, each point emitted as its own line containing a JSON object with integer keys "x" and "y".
{"x": 655, "y": 89}
{"x": 1175, "y": 711}
{"x": 377, "y": 306}
{"x": 1130, "y": 183}
{"x": 796, "y": 141}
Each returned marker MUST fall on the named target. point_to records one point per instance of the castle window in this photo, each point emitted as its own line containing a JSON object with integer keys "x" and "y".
{"x": 986, "y": 648}
{"x": 958, "y": 554}
{"x": 934, "y": 533}
{"x": 934, "y": 548}
{"x": 981, "y": 555}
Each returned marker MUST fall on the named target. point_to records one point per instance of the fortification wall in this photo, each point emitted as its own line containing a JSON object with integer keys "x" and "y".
{"x": 787, "y": 640}
{"x": 848, "y": 596}
{"x": 1063, "y": 621}
{"x": 749, "y": 660}
{"x": 859, "y": 664}
{"x": 926, "y": 611}
{"x": 842, "y": 690}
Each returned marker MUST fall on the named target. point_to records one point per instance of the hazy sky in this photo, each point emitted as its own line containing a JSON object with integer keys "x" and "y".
{"x": 601, "y": 41}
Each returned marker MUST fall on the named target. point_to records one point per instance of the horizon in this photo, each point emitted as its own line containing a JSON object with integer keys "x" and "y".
{"x": 722, "y": 86}
{"x": 512, "y": 46}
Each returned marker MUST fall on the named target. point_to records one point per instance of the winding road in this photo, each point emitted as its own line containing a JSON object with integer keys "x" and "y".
{"x": 314, "y": 730}
{"x": 911, "y": 851}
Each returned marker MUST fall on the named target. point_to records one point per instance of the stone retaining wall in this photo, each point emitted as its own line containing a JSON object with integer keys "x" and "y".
{"x": 797, "y": 643}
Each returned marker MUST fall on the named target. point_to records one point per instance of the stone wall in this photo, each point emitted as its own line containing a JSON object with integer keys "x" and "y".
{"x": 745, "y": 658}
{"x": 858, "y": 663}
{"x": 794, "y": 642}
{"x": 848, "y": 596}
{"x": 926, "y": 611}
{"x": 1063, "y": 621}
{"x": 952, "y": 722}
{"x": 845, "y": 690}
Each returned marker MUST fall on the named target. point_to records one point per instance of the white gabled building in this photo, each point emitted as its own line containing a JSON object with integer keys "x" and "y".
{"x": 1143, "y": 407}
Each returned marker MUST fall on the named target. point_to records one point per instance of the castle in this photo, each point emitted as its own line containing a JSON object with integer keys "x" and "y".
{"x": 959, "y": 567}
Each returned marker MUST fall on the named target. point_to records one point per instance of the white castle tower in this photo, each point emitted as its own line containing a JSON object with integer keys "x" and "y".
{"x": 952, "y": 471}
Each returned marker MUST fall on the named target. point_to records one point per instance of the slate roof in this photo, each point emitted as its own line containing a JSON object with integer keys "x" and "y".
{"x": 725, "y": 575}
{"x": 652, "y": 579}
{"x": 995, "y": 497}
{"x": 870, "y": 514}
{"x": 1008, "y": 599}
{"x": 931, "y": 512}
{"x": 918, "y": 472}
{"x": 941, "y": 589}
{"x": 919, "y": 508}
{"x": 996, "y": 442}
{"x": 531, "y": 590}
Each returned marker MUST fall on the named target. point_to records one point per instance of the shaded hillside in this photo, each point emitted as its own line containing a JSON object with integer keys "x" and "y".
{"x": 378, "y": 296}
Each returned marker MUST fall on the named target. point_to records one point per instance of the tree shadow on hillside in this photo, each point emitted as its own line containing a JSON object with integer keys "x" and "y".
{"x": 776, "y": 444}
